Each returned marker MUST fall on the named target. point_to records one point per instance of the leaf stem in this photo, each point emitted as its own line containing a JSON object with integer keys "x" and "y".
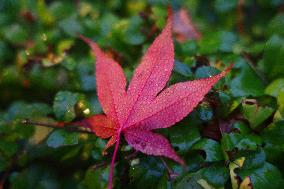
{"x": 113, "y": 161}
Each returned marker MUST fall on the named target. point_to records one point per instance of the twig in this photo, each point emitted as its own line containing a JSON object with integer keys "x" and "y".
{"x": 57, "y": 126}
{"x": 132, "y": 155}
{"x": 171, "y": 175}
{"x": 99, "y": 165}
{"x": 240, "y": 16}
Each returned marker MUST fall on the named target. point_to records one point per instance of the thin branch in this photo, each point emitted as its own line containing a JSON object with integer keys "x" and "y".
{"x": 240, "y": 16}
{"x": 171, "y": 175}
{"x": 99, "y": 165}
{"x": 70, "y": 128}
{"x": 132, "y": 155}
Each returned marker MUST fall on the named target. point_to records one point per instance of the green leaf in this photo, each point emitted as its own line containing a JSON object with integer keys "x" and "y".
{"x": 266, "y": 176}
{"x": 276, "y": 25}
{"x": 216, "y": 175}
{"x": 205, "y": 112}
{"x": 63, "y": 105}
{"x": 15, "y": 34}
{"x": 274, "y": 87}
{"x": 132, "y": 35}
{"x": 107, "y": 23}
{"x": 246, "y": 83}
{"x": 205, "y": 71}
{"x": 254, "y": 159}
{"x": 225, "y": 6}
{"x": 273, "y": 57}
{"x": 60, "y": 138}
{"x": 23, "y": 110}
{"x": 35, "y": 177}
{"x": 146, "y": 174}
{"x": 256, "y": 114}
{"x": 181, "y": 141}
{"x": 228, "y": 40}
{"x": 71, "y": 26}
{"x": 8, "y": 149}
{"x": 239, "y": 141}
{"x": 182, "y": 69}
{"x": 273, "y": 135}
{"x": 211, "y": 148}
{"x": 189, "y": 181}
{"x": 96, "y": 178}
{"x": 209, "y": 44}
{"x": 241, "y": 127}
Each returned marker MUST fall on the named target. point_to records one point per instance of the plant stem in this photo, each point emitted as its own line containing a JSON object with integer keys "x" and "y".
{"x": 113, "y": 161}
{"x": 171, "y": 174}
{"x": 56, "y": 126}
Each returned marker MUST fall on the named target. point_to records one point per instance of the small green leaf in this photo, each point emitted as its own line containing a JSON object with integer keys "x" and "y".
{"x": 225, "y": 6}
{"x": 15, "y": 34}
{"x": 63, "y": 105}
{"x": 254, "y": 159}
{"x": 97, "y": 178}
{"x": 146, "y": 174}
{"x": 189, "y": 181}
{"x": 211, "y": 148}
{"x": 216, "y": 175}
{"x": 246, "y": 82}
{"x": 266, "y": 176}
{"x": 8, "y": 149}
{"x": 61, "y": 138}
{"x": 205, "y": 71}
{"x": 180, "y": 140}
{"x": 22, "y": 110}
{"x": 71, "y": 26}
{"x": 256, "y": 114}
{"x": 276, "y": 25}
{"x": 182, "y": 69}
{"x": 239, "y": 141}
{"x": 228, "y": 40}
{"x": 205, "y": 112}
{"x": 273, "y": 57}
{"x": 274, "y": 87}
{"x": 35, "y": 177}
{"x": 273, "y": 135}
{"x": 133, "y": 35}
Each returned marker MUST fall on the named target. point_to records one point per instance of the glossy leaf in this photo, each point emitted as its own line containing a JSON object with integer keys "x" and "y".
{"x": 211, "y": 148}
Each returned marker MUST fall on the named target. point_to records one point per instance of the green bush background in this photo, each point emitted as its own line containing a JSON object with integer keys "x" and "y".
{"x": 47, "y": 75}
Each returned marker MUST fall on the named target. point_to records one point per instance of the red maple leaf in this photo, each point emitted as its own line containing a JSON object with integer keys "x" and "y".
{"x": 183, "y": 26}
{"x": 143, "y": 107}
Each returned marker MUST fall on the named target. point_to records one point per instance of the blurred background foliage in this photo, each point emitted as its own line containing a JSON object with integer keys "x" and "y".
{"x": 233, "y": 139}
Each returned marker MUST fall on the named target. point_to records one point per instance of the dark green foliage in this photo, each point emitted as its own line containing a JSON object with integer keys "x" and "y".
{"x": 47, "y": 76}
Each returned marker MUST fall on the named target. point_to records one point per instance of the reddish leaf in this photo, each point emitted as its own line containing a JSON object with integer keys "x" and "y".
{"x": 100, "y": 124}
{"x": 174, "y": 103}
{"x": 111, "y": 83}
{"x": 183, "y": 27}
{"x": 138, "y": 110}
{"x": 150, "y": 143}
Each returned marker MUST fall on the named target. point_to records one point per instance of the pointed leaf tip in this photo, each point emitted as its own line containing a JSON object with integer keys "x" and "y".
{"x": 96, "y": 49}
{"x": 170, "y": 14}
